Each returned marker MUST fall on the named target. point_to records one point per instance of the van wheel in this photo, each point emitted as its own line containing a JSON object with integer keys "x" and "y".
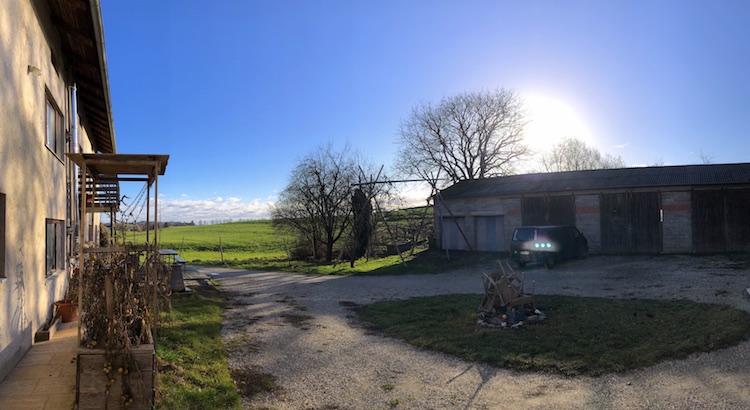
{"x": 550, "y": 262}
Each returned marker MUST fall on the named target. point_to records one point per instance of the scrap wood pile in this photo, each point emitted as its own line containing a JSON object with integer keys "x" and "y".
{"x": 505, "y": 303}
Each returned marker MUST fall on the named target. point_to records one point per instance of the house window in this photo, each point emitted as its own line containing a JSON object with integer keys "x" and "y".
{"x": 55, "y": 137}
{"x": 55, "y": 244}
{"x": 2, "y": 235}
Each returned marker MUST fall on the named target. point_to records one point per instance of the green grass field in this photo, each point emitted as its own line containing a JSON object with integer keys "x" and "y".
{"x": 258, "y": 245}
{"x": 238, "y": 240}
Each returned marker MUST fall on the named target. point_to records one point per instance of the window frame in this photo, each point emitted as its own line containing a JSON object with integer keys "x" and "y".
{"x": 54, "y": 134}
{"x": 54, "y": 239}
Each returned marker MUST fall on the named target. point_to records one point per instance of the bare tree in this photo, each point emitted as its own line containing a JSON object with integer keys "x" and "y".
{"x": 361, "y": 225}
{"x": 316, "y": 202}
{"x": 705, "y": 158}
{"x": 572, "y": 154}
{"x": 468, "y": 136}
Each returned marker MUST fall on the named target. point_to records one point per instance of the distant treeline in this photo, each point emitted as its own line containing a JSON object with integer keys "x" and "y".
{"x": 141, "y": 226}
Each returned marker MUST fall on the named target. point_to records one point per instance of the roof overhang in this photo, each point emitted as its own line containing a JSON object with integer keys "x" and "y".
{"x": 103, "y": 174}
{"x": 123, "y": 167}
{"x": 81, "y": 31}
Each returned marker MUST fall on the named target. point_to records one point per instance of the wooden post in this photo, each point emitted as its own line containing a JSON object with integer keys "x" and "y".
{"x": 109, "y": 303}
{"x": 155, "y": 253}
{"x": 81, "y": 258}
{"x": 221, "y": 251}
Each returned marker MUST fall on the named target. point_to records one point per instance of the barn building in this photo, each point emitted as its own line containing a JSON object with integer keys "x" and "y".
{"x": 648, "y": 210}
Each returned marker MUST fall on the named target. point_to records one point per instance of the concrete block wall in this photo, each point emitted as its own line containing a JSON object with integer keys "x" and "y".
{"x": 588, "y": 220}
{"x": 512, "y": 217}
{"x": 677, "y": 226}
{"x": 469, "y": 208}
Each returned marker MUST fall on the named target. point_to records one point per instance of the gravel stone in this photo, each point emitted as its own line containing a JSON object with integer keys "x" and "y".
{"x": 301, "y": 330}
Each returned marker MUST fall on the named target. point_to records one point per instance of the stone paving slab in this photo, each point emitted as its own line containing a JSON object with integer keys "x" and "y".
{"x": 46, "y": 376}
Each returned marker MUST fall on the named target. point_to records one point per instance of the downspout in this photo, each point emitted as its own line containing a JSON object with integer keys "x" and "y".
{"x": 76, "y": 222}
{"x": 74, "y": 116}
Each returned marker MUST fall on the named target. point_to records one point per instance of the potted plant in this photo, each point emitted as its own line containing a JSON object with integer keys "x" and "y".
{"x": 67, "y": 308}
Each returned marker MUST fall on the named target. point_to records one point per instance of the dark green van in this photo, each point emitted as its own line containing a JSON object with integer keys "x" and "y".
{"x": 547, "y": 244}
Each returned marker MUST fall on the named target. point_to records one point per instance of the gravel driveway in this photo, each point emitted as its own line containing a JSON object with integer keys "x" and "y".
{"x": 299, "y": 329}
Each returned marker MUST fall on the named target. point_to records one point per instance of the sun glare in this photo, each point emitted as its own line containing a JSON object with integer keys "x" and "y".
{"x": 551, "y": 120}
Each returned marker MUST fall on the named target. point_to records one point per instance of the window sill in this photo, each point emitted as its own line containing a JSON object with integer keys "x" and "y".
{"x": 54, "y": 274}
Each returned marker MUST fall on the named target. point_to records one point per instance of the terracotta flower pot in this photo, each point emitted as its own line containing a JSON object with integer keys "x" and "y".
{"x": 68, "y": 310}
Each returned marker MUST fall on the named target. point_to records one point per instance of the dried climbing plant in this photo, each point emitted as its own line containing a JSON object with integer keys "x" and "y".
{"x": 118, "y": 297}
{"x": 118, "y": 308}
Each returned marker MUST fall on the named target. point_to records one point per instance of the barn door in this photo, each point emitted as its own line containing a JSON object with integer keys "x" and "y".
{"x": 490, "y": 233}
{"x": 452, "y": 237}
{"x": 721, "y": 221}
{"x": 631, "y": 222}
{"x": 738, "y": 220}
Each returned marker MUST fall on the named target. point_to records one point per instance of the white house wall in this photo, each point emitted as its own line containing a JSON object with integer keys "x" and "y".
{"x": 32, "y": 177}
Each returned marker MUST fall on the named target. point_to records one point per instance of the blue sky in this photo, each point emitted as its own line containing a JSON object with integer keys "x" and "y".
{"x": 236, "y": 92}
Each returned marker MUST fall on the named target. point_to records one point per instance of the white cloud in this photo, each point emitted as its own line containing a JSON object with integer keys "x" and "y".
{"x": 186, "y": 210}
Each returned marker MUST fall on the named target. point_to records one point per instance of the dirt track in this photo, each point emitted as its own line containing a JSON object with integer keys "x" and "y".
{"x": 298, "y": 329}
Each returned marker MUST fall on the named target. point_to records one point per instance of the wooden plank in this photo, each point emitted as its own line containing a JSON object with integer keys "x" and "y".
{"x": 548, "y": 210}
{"x": 736, "y": 203}
{"x": 709, "y": 223}
{"x": 630, "y": 223}
{"x": 93, "y": 382}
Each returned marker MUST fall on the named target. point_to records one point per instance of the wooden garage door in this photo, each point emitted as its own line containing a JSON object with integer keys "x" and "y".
{"x": 631, "y": 222}
{"x": 721, "y": 221}
{"x": 453, "y": 234}
{"x": 490, "y": 233}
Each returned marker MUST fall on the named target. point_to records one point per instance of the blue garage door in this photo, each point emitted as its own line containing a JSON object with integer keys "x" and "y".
{"x": 490, "y": 233}
{"x": 452, "y": 234}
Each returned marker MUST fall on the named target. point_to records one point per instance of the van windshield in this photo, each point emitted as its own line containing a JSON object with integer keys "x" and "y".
{"x": 524, "y": 234}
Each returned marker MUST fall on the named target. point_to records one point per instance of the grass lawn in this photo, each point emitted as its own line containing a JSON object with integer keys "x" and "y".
{"x": 256, "y": 245}
{"x": 193, "y": 371}
{"x": 581, "y": 335}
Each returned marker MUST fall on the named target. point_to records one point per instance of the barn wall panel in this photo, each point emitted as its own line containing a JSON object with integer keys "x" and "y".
{"x": 737, "y": 203}
{"x": 588, "y": 220}
{"x": 548, "y": 210}
{"x": 630, "y": 222}
{"x": 708, "y": 221}
{"x": 676, "y": 222}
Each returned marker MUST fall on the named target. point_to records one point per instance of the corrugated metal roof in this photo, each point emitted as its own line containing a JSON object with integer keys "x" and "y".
{"x": 604, "y": 179}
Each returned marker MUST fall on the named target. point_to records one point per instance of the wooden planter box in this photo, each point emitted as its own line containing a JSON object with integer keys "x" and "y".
{"x": 93, "y": 387}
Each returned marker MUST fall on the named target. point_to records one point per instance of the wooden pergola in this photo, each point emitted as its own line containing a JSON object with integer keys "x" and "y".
{"x": 99, "y": 191}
